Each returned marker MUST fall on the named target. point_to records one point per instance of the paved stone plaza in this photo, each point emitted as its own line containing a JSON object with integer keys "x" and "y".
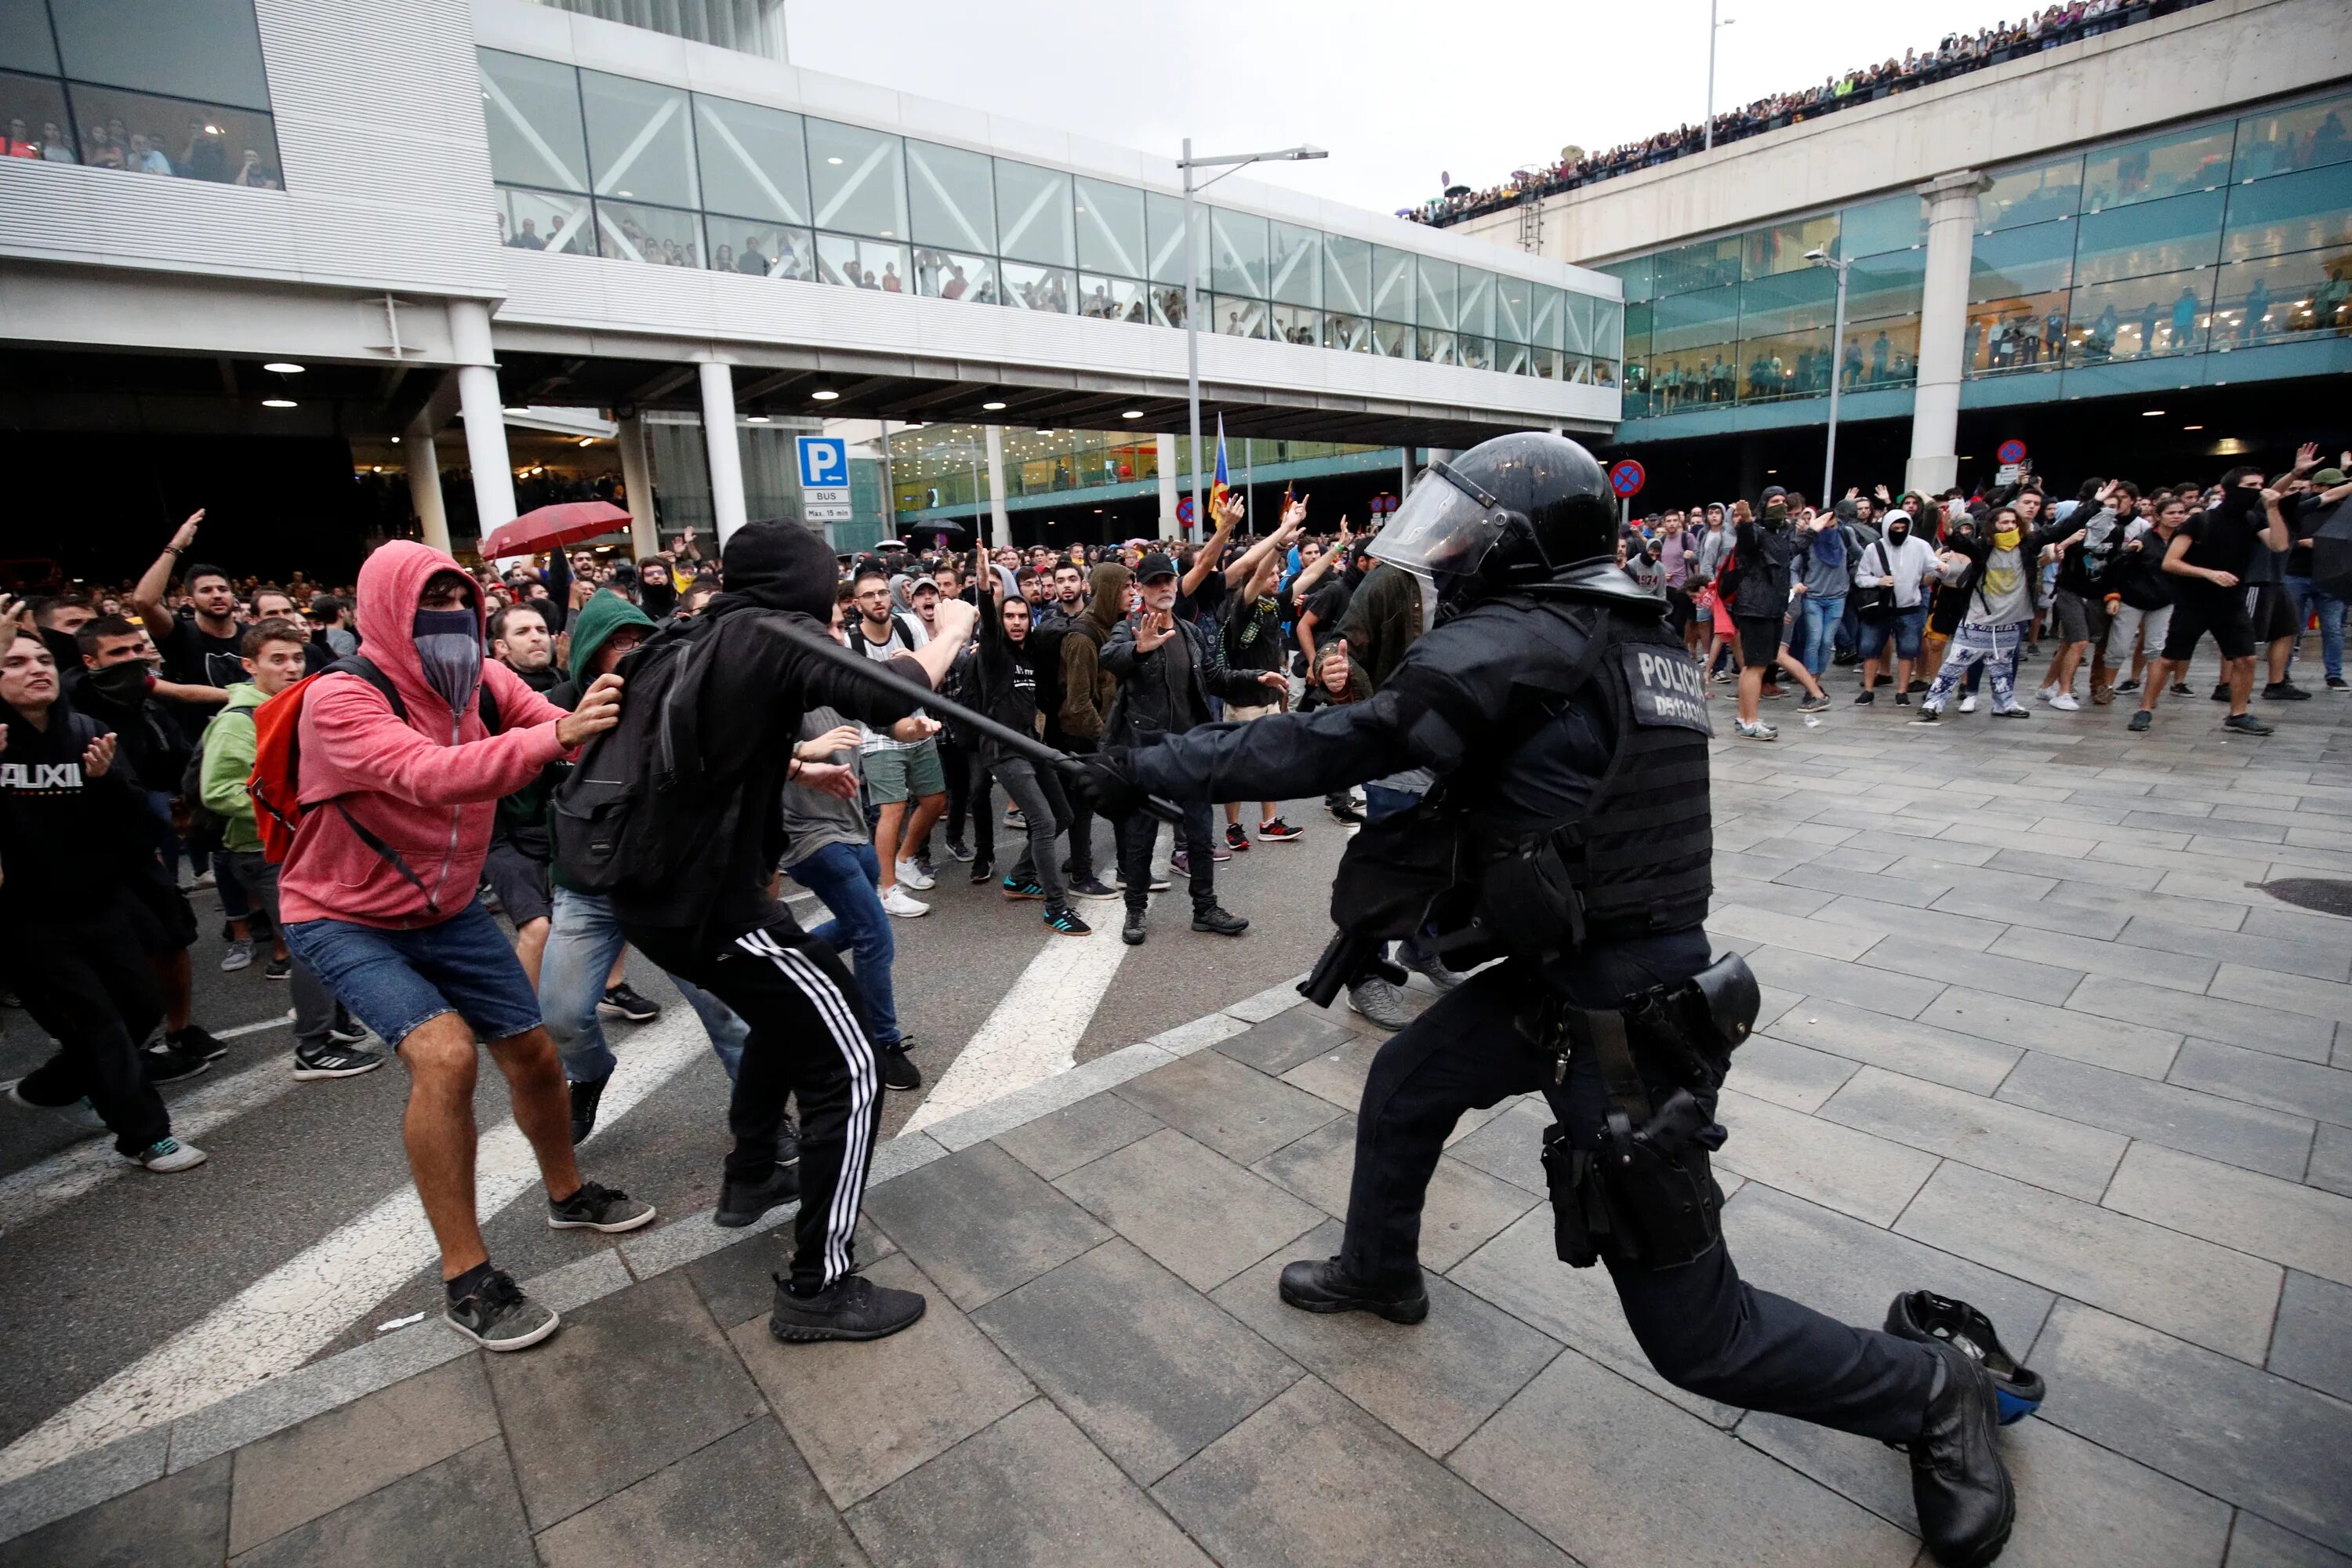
{"x": 2032, "y": 1036}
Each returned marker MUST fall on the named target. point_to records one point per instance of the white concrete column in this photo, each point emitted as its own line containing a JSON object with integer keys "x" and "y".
{"x": 484, "y": 414}
{"x": 1935, "y": 462}
{"x": 637, "y": 481}
{"x": 719, "y": 441}
{"x": 423, "y": 462}
{"x": 1167, "y": 486}
{"x": 999, "y": 531}
{"x": 1404, "y": 473}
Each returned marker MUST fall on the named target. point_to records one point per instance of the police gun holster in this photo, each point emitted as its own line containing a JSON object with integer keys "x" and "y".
{"x": 1644, "y": 1194}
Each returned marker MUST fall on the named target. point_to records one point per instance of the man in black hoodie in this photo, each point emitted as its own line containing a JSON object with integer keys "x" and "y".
{"x": 724, "y": 930}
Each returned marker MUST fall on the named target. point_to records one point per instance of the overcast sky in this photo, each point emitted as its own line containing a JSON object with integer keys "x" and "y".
{"x": 1397, "y": 92}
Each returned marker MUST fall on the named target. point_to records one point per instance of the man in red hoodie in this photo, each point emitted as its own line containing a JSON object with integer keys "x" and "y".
{"x": 378, "y": 898}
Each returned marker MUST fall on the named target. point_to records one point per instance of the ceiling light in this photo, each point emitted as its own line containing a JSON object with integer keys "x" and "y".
{"x": 277, "y": 403}
{"x": 587, "y": 440}
{"x": 825, "y": 394}
{"x": 755, "y": 419}
{"x": 283, "y": 367}
{"x": 2151, "y": 413}
{"x": 2192, "y": 426}
{"x": 515, "y": 410}
{"x": 991, "y": 408}
{"x": 1132, "y": 414}
{"x": 396, "y": 440}
{"x": 212, "y": 130}
{"x": 832, "y": 160}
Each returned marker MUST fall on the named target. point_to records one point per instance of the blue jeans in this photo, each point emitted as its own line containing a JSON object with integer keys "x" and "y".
{"x": 848, "y": 879}
{"x": 2330, "y": 610}
{"x": 1817, "y": 624}
{"x": 582, "y": 940}
{"x": 393, "y": 981}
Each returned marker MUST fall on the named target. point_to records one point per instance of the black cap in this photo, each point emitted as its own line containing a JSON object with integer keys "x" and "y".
{"x": 1155, "y": 564}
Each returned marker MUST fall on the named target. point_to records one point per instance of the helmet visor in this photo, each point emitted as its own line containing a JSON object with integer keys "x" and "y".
{"x": 1444, "y": 528}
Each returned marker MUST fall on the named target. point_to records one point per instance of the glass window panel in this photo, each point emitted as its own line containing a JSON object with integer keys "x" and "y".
{"x": 1236, "y": 253}
{"x": 2028, "y": 260}
{"x": 1545, "y": 364}
{"x": 1033, "y": 213}
{"x": 1111, "y": 299}
{"x": 2309, "y": 292}
{"x": 1897, "y": 223}
{"x": 209, "y": 50}
{"x": 538, "y": 220}
{"x": 1393, "y": 285}
{"x": 2294, "y": 212}
{"x": 2021, "y": 196}
{"x": 1392, "y": 339}
{"x": 1608, "y": 341}
{"x": 1167, "y": 305}
{"x": 1888, "y": 354}
{"x": 1784, "y": 364}
{"x": 1166, "y": 216}
{"x": 2140, "y": 318}
{"x": 1294, "y": 263}
{"x": 168, "y": 136}
{"x": 1295, "y": 325}
{"x": 856, "y": 182}
{"x": 1110, "y": 229}
{"x": 2144, "y": 238}
{"x": 1544, "y": 311}
{"x": 1782, "y": 247}
{"x": 951, "y": 197}
{"x": 1605, "y": 372}
{"x": 2159, "y": 167}
{"x": 1789, "y": 303}
{"x": 1707, "y": 264}
{"x": 2016, "y": 333}
{"x": 1347, "y": 274}
{"x": 955, "y": 275}
{"x": 1348, "y": 332}
{"x": 1885, "y": 285}
{"x": 32, "y": 117}
{"x": 657, "y": 235}
{"x": 1437, "y": 290}
{"x": 1512, "y": 359}
{"x": 753, "y": 161}
{"x": 1474, "y": 352}
{"x": 26, "y": 43}
{"x": 1476, "y": 312}
{"x": 1235, "y": 317}
{"x": 1432, "y": 346}
{"x": 532, "y": 108}
{"x": 760, "y": 249}
{"x": 640, "y": 140}
{"x": 2302, "y": 137}
{"x": 1051, "y": 289}
{"x": 858, "y": 263}
{"x": 1681, "y": 322}
{"x": 1576, "y": 314}
{"x": 1636, "y": 275}
{"x": 1514, "y": 308}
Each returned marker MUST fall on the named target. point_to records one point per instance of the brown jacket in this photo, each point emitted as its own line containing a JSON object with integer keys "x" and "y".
{"x": 1087, "y": 691}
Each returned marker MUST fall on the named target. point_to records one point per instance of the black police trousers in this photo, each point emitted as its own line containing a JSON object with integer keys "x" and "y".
{"x": 1701, "y": 1327}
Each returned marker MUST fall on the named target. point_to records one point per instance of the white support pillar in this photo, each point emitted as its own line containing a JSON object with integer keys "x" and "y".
{"x": 1404, "y": 473}
{"x": 636, "y": 482}
{"x": 423, "y": 462}
{"x": 1935, "y": 464}
{"x": 999, "y": 532}
{"x": 720, "y": 442}
{"x": 485, "y": 415}
{"x": 1166, "y": 444}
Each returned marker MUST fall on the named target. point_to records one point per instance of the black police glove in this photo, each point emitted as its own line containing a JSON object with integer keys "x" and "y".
{"x": 1101, "y": 781}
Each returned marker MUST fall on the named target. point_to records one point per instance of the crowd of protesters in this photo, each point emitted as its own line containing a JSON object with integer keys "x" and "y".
{"x": 1957, "y": 54}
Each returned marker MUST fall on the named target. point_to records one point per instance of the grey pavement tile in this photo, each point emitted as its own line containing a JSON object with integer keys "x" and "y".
{"x": 1282, "y": 1042}
{"x": 1906, "y": 952}
{"x": 1953, "y": 1057}
{"x": 2001, "y": 835}
{"x": 1616, "y": 1475}
{"x": 2094, "y": 955}
{"x": 178, "y": 1519}
{"x": 1235, "y": 1109}
{"x": 2123, "y": 1047}
{"x": 980, "y": 1222}
{"x": 1260, "y": 1005}
{"x": 2100, "y": 917}
{"x": 2284, "y": 1221}
{"x": 1146, "y": 1365}
{"x": 2313, "y": 1344}
{"x": 95, "y": 1476}
{"x": 1909, "y": 891}
{"x": 631, "y": 1383}
{"x": 463, "y": 1510}
{"x": 1198, "y": 1034}
{"x": 1196, "y": 1213}
{"x": 2327, "y": 1000}
{"x": 2064, "y": 1156}
{"x": 748, "y": 1498}
{"x": 1030, "y": 1490}
{"x": 2211, "y": 826}
{"x": 1510, "y": 1146}
{"x": 2331, "y": 1159}
{"x": 1877, "y": 918}
{"x": 2207, "y": 1124}
{"x": 2256, "y": 1542}
{"x": 1790, "y": 1075}
{"x": 1923, "y": 856}
{"x": 2211, "y": 1017}
{"x": 1021, "y": 1106}
{"x": 2075, "y": 868}
{"x": 1311, "y": 1481}
{"x": 292, "y": 1477}
{"x": 863, "y": 1415}
{"x": 2210, "y": 1295}
{"x": 1059, "y": 1143}
{"x": 739, "y": 1281}
{"x": 1807, "y": 933}
{"x": 1897, "y": 995}
{"x": 2300, "y": 1088}
{"x": 2235, "y": 1431}
{"x": 1338, "y": 1075}
{"x": 1462, "y": 1207}
{"x": 2291, "y": 924}
{"x": 1434, "y": 1381}
{"x": 1774, "y": 897}
{"x": 1851, "y": 1171}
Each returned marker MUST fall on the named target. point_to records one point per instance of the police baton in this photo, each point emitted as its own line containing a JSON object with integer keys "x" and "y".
{"x": 873, "y": 673}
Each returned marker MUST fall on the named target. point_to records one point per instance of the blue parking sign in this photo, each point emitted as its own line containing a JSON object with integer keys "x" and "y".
{"x": 824, "y": 461}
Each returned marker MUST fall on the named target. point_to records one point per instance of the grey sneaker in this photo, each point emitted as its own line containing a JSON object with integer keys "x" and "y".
{"x": 500, "y": 1317}
{"x": 1376, "y": 1000}
{"x": 598, "y": 1207}
{"x": 238, "y": 956}
{"x": 328, "y": 1059}
{"x": 1432, "y": 968}
{"x": 166, "y": 1156}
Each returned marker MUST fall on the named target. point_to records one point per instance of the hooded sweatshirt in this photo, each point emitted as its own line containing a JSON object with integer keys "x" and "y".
{"x": 428, "y": 788}
{"x": 1087, "y": 691}
{"x": 522, "y": 816}
{"x": 68, "y": 841}
{"x": 228, "y": 745}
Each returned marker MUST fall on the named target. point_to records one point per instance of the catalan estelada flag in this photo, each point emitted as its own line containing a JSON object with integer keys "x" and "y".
{"x": 1218, "y": 488}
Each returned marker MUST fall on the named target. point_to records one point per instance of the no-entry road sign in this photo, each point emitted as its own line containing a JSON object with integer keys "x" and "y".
{"x": 1626, "y": 477}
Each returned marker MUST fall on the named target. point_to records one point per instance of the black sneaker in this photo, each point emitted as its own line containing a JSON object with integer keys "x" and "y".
{"x": 959, "y": 850}
{"x": 1814, "y": 705}
{"x": 2336, "y": 683}
{"x": 788, "y": 1144}
{"x": 741, "y": 1202}
{"x": 584, "y": 1096}
{"x": 2285, "y": 692}
{"x": 278, "y": 968}
{"x": 1132, "y": 932}
{"x": 2140, "y": 722}
{"x": 1218, "y": 921}
{"x": 345, "y": 1033}
{"x": 2247, "y": 724}
{"x": 1066, "y": 921}
{"x": 1902, "y": 699}
{"x": 1923, "y": 1316}
{"x": 193, "y": 1041}
{"x": 164, "y": 1065}
{"x": 1091, "y": 887}
{"x": 2221, "y": 692}
{"x": 500, "y": 1317}
{"x": 1277, "y": 832}
{"x": 328, "y": 1059}
{"x": 1346, "y": 813}
{"x": 599, "y": 1207}
{"x": 1158, "y": 884}
{"x": 1317, "y": 1284}
{"x": 983, "y": 871}
{"x": 2125, "y": 688}
{"x": 898, "y": 1071}
{"x": 854, "y": 1307}
{"x": 1915, "y": 687}
{"x": 623, "y": 1001}
{"x": 2181, "y": 688}
{"x": 1958, "y": 1485}
{"x": 1027, "y": 890}
{"x": 1863, "y": 698}
{"x": 1237, "y": 838}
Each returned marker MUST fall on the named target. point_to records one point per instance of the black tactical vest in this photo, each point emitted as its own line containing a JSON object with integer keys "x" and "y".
{"x": 1640, "y": 855}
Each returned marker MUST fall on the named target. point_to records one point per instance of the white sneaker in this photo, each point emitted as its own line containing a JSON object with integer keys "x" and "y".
{"x": 166, "y": 1156}
{"x": 896, "y": 902}
{"x": 912, "y": 876}
{"x": 2065, "y": 702}
{"x": 238, "y": 956}
{"x": 1968, "y": 702}
{"x": 2048, "y": 694}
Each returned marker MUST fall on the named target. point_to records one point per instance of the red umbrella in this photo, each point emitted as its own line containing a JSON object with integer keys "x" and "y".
{"x": 553, "y": 527}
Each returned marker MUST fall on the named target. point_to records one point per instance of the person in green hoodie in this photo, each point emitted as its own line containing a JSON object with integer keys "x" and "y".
{"x": 325, "y": 1043}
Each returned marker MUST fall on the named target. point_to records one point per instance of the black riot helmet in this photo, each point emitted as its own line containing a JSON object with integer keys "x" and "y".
{"x": 1519, "y": 509}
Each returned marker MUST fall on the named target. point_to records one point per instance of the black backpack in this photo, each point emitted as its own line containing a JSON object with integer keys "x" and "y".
{"x": 206, "y": 827}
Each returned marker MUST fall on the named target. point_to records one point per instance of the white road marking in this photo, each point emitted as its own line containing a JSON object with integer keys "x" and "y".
{"x": 1034, "y": 1032}
{"x": 300, "y": 1308}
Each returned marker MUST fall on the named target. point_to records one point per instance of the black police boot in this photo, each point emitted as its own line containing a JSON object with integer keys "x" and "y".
{"x": 742, "y": 1202}
{"x": 1218, "y": 921}
{"x": 1320, "y": 1285}
{"x": 1959, "y": 1484}
{"x": 584, "y": 1096}
{"x": 1923, "y": 1316}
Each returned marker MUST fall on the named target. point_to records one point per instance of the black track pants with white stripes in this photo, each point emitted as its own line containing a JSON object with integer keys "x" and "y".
{"x": 808, "y": 1038}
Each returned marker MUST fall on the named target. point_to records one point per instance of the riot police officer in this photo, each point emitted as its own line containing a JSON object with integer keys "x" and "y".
{"x": 1570, "y": 836}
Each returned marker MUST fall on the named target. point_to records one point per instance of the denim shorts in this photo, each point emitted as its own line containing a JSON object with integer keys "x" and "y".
{"x": 393, "y": 981}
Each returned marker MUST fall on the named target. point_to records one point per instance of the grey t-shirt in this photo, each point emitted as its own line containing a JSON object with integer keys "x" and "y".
{"x": 813, "y": 819}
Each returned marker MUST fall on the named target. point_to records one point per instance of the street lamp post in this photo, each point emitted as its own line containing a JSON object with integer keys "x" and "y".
{"x": 1229, "y": 162}
{"x": 1821, "y": 258}
{"x": 1713, "y": 27}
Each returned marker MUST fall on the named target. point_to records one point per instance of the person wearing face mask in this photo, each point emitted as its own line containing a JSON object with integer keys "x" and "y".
{"x": 1997, "y": 569}
{"x": 657, "y": 590}
{"x": 1890, "y": 579}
